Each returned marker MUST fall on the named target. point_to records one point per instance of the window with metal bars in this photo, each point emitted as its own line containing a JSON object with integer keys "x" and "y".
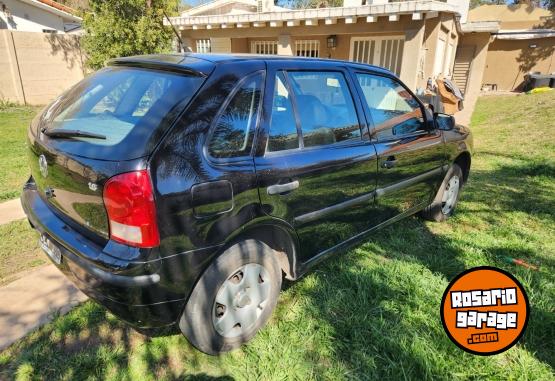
{"x": 264, "y": 47}
{"x": 381, "y": 51}
{"x": 203, "y": 46}
{"x": 307, "y": 48}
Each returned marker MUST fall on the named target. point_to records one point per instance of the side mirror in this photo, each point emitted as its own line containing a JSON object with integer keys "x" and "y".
{"x": 444, "y": 122}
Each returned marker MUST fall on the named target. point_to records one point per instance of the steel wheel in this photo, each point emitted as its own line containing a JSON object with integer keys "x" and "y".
{"x": 450, "y": 195}
{"x": 241, "y": 300}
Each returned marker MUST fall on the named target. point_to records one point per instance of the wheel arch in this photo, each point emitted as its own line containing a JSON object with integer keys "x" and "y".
{"x": 278, "y": 235}
{"x": 464, "y": 161}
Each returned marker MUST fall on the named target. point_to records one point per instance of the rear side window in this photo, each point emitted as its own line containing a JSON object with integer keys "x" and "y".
{"x": 326, "y": 109}
{"x": 233, "y": 131}
{"x": 125, "y": 105}
{"x": 283, "y": 127}
{"x": 394, "y": 111}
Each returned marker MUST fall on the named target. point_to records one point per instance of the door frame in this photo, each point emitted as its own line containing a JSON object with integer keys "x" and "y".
{"x": 472, "y": 57}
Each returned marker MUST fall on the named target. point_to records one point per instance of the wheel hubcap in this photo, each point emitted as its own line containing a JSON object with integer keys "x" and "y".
{"x": 241, "y": 300}
{"x": 450, "y": 195}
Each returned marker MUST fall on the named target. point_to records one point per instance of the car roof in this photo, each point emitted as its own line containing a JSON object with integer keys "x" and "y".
{"x": 203, "y": 63}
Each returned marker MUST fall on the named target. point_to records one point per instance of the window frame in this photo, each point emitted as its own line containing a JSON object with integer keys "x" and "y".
{"x": 353, "y": 92}
{"x": 295, "y": 115}
{"x": 368, "y": 114}
{"x": 223, "y": 108}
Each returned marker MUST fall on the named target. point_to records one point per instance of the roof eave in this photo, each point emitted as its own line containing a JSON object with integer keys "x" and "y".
{"x": 397, "y": 8}
{"x": 67, "y": 16}
{"x": 481, "y": 27}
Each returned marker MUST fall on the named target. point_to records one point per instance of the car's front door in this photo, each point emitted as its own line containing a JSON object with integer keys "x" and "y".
{"x": 316, "y": 167}
{"x": 411, "y": 153}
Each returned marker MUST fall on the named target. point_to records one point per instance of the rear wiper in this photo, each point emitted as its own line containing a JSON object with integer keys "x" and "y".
{"x": 71, "y": 134}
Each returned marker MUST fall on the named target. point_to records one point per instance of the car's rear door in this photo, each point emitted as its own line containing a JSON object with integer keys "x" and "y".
{"x": 411, "y": 153}
{"x": 316, "y": 168}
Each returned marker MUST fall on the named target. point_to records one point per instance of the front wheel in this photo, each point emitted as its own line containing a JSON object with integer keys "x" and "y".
{"x": 447, "y": 197}
{"x": 233, "y": 299}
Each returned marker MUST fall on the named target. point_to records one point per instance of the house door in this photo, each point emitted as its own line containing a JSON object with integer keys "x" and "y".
{"x": 463, "y": 63}
{"x": 220, "y": 45}
{"x": 380, "y": 51}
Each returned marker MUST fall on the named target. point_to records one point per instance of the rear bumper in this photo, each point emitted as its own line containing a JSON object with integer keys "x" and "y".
{"x": 134, "y": 292}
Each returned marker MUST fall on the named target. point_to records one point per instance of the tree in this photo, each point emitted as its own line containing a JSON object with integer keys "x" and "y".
{"x": 120, "y": 28}
{"x": 477, "y": 3}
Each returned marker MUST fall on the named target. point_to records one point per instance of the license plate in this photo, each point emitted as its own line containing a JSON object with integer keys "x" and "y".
{"x": 51, "y": 249}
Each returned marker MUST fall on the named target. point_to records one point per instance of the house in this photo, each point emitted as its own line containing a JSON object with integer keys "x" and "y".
{"x": 415, "y": 39}
{"x": 44, "y": 16}
{"x": 40, "y": 55}
{"x": 523, "y": 42}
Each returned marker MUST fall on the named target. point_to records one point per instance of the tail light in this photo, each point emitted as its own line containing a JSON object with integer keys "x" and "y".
{"x": 131, "y": 210}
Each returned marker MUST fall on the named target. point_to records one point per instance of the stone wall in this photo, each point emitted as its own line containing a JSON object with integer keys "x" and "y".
{"x": 37, "y": 67}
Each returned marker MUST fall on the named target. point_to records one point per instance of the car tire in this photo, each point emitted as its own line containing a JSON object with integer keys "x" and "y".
{"x": 243, "y": 285}
{"x": 447, "y": 196}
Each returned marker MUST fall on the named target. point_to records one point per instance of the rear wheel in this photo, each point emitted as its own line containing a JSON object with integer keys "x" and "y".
{"x": 447, "y": 197}
{"x": 233, "y": 299}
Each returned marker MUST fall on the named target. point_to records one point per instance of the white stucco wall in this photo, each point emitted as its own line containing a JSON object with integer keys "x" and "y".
{"x": 462, "y": 7}
{"x": 28, "y": 18}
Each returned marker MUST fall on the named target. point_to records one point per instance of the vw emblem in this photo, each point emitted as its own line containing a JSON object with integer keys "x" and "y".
{"x": 43, "y": 166}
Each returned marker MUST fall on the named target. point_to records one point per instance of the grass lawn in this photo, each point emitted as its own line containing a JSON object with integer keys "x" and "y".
{"x": 13, "y": 156}
{"x": 374, "y": 312}
{"x": 19, "y": 250}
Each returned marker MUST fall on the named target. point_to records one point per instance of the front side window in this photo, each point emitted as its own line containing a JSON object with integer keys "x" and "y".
{"x": 326, "y": 109}
{"x": 394, "y": 111}
{"x": 233, "y": 132}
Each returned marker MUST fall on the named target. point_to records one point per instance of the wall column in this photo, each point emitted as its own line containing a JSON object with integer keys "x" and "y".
{"x": 284, "y": 45}
{"x": 412, "y": 55}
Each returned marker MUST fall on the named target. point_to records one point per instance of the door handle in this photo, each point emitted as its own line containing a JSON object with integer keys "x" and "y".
{"x": 282, "y": 188}
{"x": 389, "y": 163}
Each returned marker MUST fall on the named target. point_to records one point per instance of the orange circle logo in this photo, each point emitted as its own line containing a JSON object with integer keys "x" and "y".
{"x": 485, "y": 310}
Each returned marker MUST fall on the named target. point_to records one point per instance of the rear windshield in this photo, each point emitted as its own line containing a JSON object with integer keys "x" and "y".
{"x": 131, "y": 107}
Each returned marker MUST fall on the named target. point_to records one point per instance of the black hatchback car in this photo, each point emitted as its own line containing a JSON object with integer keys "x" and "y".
{"x": 178, "y": 190}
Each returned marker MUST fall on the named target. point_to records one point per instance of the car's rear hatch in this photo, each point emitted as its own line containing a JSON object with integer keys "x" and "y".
{"x": 105, "y": 125}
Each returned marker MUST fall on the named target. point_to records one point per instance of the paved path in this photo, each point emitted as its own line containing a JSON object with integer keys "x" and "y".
{"x": 11, "y": 211}
{"x": 463, "y": 117}
{"x": 33, "y": 300}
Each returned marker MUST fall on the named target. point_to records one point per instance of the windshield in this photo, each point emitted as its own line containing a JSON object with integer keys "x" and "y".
{"x": 123, "y": 105}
